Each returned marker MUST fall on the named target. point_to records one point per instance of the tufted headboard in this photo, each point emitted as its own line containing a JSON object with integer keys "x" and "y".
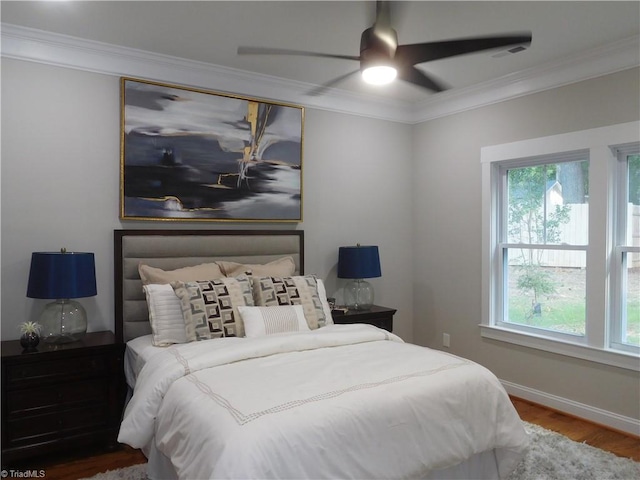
{"x": 171, "y": 249}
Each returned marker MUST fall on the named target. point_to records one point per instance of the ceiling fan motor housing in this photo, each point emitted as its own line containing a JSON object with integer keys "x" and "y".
{"x": 377, "y": 47}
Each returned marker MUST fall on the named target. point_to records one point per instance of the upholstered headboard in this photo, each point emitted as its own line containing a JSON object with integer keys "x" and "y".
{"x": 171, "y": 249}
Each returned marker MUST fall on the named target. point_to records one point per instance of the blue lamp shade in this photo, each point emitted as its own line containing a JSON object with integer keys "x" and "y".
{"x": 357, "y": 263}
{"x": 360, "y": 261}
{"x": 62, "y": 275}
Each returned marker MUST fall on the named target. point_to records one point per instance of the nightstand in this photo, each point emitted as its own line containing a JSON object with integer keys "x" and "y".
{"x": 61, "y": 397}
{"x": 379, "y": 316}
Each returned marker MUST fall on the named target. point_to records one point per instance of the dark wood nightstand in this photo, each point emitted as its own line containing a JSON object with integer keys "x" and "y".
{"x": 61, "y": 396}
{"x": 379, "y": 316}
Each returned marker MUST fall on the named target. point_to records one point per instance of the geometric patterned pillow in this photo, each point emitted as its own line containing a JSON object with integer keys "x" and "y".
{"x": 297, "y": 290}
{"x": 209, "y": 307}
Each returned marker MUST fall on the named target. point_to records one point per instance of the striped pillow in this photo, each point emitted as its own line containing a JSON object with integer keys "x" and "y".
{"x": 165, "y": 315}
{"x": 261, "y": 321}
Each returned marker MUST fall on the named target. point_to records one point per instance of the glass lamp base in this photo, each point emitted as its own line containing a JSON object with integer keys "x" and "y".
{"x": 63, "y": 321}
{"x": 358, "y": 295}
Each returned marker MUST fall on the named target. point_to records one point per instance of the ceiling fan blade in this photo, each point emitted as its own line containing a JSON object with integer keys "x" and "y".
{"x": 411, "y": 74}
{"x": 320, "y": 89}
{"x": 426, "y": 52}
{"x": 283, "y": 51}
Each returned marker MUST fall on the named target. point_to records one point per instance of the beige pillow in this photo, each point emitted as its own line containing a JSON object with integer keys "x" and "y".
{"x": 205, "y": 271}
{"x": 283, "y": 267}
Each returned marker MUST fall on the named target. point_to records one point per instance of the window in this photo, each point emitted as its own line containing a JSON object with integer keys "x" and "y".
{"x": 561, "y": 244}
{"x": 625, "y": 327}
{"x": 542, "y": 247}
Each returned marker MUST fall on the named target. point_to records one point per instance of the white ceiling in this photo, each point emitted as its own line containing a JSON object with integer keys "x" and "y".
{"x": 211, "y": 32}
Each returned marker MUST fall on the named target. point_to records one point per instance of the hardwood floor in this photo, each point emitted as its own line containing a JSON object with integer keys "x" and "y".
{"x": 86, "y": 464}
{"x": 579, "y": 430}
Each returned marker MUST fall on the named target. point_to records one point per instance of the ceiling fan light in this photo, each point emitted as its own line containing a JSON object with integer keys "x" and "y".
{"x": 379, "y": 74}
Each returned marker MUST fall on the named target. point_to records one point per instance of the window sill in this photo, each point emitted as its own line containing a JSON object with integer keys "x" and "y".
{"x": 618, "y": 359}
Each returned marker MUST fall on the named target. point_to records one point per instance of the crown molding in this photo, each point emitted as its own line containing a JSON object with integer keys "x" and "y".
{"x": 604, "y": 60}
{"x": 54, "y": 49}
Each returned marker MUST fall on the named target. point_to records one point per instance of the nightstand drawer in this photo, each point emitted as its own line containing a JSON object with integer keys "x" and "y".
{"x": 33, "y": 401}
{"x": 54, "y": 370}
{"x": 61, "y": 397}
{"x": 378, "y": 316}
{"x": 55, "y": 424}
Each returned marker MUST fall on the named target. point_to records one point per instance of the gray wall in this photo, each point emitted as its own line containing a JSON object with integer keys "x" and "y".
{"x": 447, "y": 271}
{"x": 412, "y": 190}
{"x": 60, "y": 188}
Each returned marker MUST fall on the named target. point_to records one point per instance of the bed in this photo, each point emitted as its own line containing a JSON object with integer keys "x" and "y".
{"x": 276, "y": 390}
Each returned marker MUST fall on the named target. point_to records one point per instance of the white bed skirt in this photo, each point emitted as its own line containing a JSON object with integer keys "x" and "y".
{"x": 482, "y": 466}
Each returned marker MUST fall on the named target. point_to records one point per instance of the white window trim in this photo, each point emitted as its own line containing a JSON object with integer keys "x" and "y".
{"x": 621, "y": 152}
{"x": 602, "y": 206}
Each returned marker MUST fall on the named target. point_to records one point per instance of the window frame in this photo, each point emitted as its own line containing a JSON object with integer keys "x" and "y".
{"x": 601, "y": 290}
{"x": 620, "y": 248}
{"x": 504, "y": 246}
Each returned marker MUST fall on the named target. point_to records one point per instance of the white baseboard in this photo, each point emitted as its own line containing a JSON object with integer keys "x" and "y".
{"x": 593, "y": 414}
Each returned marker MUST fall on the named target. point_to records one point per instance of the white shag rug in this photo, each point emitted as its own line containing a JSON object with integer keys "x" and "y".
{"x": 551, "y": 456}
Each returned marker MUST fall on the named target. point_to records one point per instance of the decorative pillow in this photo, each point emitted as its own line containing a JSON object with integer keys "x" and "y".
{"x": 322, "y": 293}
{"x": 283, "y": 267}
{"x": 209, "y": 307}
{"x": 298, "y": 290}
{"x": 261, "y": 321}
{"x": 204, "y": 271}
{"x": 165, "y": 315}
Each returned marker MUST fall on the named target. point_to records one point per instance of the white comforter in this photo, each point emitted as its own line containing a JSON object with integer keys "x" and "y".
{"x": 344, "y": 401}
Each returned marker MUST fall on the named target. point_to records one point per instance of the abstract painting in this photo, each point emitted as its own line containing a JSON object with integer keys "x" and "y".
{"x": 194, "y": 155}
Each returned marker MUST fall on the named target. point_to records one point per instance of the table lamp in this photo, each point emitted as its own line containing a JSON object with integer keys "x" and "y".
{"x": 357, "y": 263}
{"x": 62, "y": 276}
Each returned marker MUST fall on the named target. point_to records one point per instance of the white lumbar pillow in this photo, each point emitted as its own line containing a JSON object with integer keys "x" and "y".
{"x": 261, "y": 321}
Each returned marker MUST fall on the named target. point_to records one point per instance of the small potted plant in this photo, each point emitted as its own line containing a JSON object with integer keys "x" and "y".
{"x": 30, "y": 335}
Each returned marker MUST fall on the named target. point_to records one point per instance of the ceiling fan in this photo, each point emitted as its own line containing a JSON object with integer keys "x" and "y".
{"x": 382, "y": 59}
